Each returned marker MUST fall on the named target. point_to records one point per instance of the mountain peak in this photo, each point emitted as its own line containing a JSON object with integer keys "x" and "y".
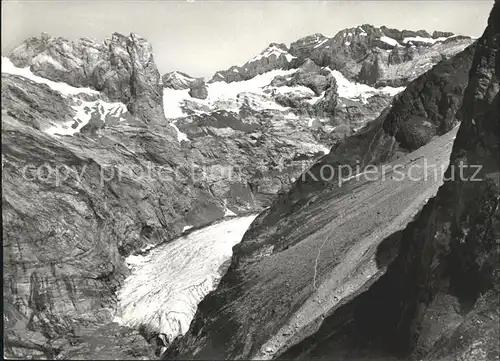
{"x": 274, "y": 56}
{"x": 177, "y": 80}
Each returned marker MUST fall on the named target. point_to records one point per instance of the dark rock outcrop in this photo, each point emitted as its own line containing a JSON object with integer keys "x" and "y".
{"x": 441, "y": 34}
{"x": 198, "y": 89}
{"x": 372, "y": 69}
{"x": 303, "y": 47}
{"x": 326, "y": 106}
{"x": 315, "y": 79}
{"x": 455, "y": 240}
{"x": 122, "y": 68}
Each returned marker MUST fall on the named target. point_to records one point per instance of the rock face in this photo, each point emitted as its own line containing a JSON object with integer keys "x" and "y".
{"x": 452, "y": 249}
{"x": 441, "y": 34}
{"x": 379, "y": 56}
{"x": 198, "y": 89}
{"x": 328, "y": 104}
{"x": 313, "y": 77}
{"x": 275, "y": 56}
{"x": 303, "y": 47}
{"x": 67, "y": 228}
{"x": 122, "y": 68}
{"x": 438, "y": 298}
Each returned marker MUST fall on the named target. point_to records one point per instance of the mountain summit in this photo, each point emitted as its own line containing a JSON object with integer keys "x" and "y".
{"x": 371, "y": 55}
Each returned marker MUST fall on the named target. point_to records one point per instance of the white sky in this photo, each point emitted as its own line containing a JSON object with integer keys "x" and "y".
{"x": 201, "y": 37}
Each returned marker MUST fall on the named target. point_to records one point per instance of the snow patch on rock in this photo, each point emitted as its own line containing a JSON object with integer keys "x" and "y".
{"x": 85, "y": 110}
{"x": 270, "y": 51}
{"x": 180, "y": 135}
{"x": 321, "y": 43}
{"x": 229, "y": 213}
{"x": 63, "y": 88}
{"x": 419, "y": 39}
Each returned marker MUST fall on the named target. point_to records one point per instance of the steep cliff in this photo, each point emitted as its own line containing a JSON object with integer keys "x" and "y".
{"x": 377, "y": 56}
{"x": 122, "y": 68}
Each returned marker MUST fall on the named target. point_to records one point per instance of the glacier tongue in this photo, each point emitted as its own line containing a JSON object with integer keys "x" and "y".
{"x": 166, "y": 286}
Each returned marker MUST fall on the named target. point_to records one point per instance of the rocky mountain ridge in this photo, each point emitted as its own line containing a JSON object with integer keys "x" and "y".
{"x": 122, "y": 68}
{"x": 439, "y": 299}
{"x": 372, "y": 55}
{"x": 298, "y": 289}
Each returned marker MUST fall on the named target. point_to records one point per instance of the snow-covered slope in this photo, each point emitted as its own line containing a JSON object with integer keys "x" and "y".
{"x": 258, "y": 94}
{"x": 222, "y": 95}
{"x": 352, "y": 90}
{"x": 166, "y": 285}
{"x": 85, "y": 110}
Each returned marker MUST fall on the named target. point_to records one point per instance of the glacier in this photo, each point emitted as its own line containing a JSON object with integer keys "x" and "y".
{"x": 166, "y": 285}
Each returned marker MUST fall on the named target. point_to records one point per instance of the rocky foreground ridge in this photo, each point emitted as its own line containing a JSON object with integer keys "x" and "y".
{"x": 426, "y": 290}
